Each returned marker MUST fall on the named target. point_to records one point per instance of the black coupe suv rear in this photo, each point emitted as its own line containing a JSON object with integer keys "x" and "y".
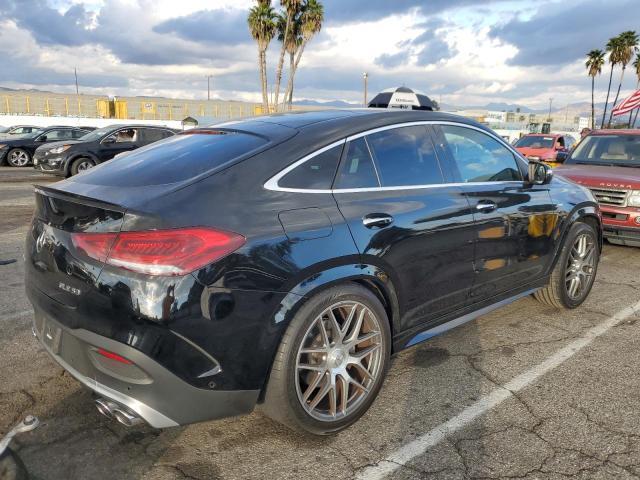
{"x": 281, "y": 260}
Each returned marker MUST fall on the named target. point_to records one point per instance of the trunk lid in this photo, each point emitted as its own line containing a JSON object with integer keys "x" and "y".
{"x": 53, "y": 264}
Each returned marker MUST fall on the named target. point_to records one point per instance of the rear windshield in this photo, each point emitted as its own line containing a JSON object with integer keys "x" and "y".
{"x": 619, "y": 150}
{"x": 535, "y": 142}
{"x": 172, "y": 160}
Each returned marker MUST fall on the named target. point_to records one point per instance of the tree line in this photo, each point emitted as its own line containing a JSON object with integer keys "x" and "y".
{"x": 294, "y": 25}
{"x": 619, "y": 51}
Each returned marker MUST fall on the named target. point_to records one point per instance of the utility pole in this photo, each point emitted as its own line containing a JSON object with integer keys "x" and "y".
{"x": 550, "y": 104}
{"x": 75, "y": 73}
{"x": 209, "y": 77}
{"x": 365, "y": 76}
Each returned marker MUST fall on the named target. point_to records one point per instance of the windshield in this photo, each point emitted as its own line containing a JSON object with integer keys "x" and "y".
{"x": 98, "y": 134}
{"x": 621, "y": 150}
{"x": 535, "y": 142}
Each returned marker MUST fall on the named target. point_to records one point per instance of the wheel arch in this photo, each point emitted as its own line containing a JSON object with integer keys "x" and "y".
{"x": 77, "y": 156}
{"x": 368, "y": 276}
{"x": 585, "y": 213}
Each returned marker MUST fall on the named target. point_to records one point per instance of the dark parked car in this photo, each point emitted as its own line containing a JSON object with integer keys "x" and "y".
{"x": 9, "y": 132}
{"x": 18, "y": 152}
{"x": 70, "y": 157}
{"x": 281, "y": 260}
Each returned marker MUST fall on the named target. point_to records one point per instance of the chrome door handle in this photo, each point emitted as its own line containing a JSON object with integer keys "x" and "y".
{"x": 377, "y": 220}
{"x": 486, "y": 207}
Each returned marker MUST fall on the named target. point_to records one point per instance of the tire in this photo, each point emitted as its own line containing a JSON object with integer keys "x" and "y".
{"x": 559, "y": 292}
{"x": 286, "y": 390}
{"x": 17, "y": 157}
{"x": 11, "y": 467}
{"x": 81, "y": 164}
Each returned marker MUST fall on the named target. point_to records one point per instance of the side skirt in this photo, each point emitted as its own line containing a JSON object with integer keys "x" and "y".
{"x": 444, "y": 327}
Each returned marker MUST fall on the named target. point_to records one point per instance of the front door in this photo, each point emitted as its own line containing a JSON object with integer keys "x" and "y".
{"x": 515, "y": 221}
{"x": 404, "y": 218}
{"x": 121, "y": 141}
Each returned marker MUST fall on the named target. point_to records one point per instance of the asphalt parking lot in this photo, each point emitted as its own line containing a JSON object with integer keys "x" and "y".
{"x": 525, "y": 392}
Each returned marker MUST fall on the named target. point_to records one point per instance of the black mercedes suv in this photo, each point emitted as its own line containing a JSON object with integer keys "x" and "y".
{"x": 70, "y": 157}
{"x": 282, "y": 260}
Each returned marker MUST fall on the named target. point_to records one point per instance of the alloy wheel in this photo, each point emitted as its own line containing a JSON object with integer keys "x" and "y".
{"x": 339, "y": 360}
{"x": 18, "y": 158}
{"x": 580, "y": 266}
{"x": 84, "y": 165}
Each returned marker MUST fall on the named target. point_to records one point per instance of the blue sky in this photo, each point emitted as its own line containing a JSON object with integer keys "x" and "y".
{"x": 463, "y": 52}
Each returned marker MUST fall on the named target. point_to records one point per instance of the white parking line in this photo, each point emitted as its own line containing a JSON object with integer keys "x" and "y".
{"x": 15, "y": 315}
{"x": 423, "y": 443}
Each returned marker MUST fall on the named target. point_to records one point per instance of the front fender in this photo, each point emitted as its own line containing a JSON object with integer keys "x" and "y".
{"x": 587, "y": 211}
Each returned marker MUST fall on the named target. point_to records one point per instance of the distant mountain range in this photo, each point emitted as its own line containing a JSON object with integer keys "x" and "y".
{"x": 573, "y": 109}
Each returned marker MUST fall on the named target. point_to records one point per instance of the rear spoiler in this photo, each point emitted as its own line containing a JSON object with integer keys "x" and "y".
{"x": 75, "y": 198}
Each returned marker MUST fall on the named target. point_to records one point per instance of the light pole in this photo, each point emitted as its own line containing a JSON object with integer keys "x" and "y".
{"x": 365, "y": 76}
{"x": 550, "y": 103}
{"x": 209, "y": 77}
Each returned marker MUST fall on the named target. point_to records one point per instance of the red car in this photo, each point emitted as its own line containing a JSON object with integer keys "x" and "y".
{"x": 541, "y": 147}
{"x": 608, "y": 163}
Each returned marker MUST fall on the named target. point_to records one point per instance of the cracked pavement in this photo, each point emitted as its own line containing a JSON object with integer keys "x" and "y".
{"x": 580, "y": 420}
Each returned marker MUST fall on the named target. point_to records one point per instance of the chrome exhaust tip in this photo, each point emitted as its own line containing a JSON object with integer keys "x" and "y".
{"x": 126, "y": 418}
{"x": 106, "y": 407}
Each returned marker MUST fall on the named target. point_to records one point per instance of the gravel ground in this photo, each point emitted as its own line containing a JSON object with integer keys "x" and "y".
{"x": 580, "y": 419}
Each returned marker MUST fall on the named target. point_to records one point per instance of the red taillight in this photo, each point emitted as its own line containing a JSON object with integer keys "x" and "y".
{"x": 159, "y": 252}
{"x": 114, "y": 356}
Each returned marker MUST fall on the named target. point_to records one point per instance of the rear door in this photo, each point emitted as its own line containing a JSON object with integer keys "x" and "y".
{"x": 515, "y": 221}
{"x": 404, "y": 218}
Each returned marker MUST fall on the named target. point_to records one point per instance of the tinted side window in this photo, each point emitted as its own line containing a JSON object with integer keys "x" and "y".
{"x": 356, "y": 169}
{"x": 78, "y": 133}
{"x": 405, "y": 156}
{"x": 479, "y": 157}
{"x": 59, "y": 134}
{"x": 150, "y": 135}
{"x": 316, "y": 173}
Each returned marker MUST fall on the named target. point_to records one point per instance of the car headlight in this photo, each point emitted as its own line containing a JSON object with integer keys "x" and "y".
{"x": 634, "y": 198}
{"x": 2, "y": 145}
{"x": 59, "y": 149}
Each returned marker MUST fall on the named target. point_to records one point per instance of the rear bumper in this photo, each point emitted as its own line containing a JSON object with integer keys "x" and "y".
{"x": 147, "y": 388}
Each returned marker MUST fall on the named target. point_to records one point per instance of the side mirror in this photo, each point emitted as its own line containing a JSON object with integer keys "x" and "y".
{"x": 539, "y": 173}
{"x": 562, "y": 155}
{"x": 42, "y": 138}
{"x": 109, "y": 140}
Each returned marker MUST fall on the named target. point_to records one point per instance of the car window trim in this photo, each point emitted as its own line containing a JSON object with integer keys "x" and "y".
{"x": 272, "y": 183}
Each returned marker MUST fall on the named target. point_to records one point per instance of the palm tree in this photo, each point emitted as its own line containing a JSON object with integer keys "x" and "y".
{"x": 595, "y": 61}
{"x": 628, "y": 47}
{"x": 292, "y": 9}
{"x": 294, "y": 40}
{"x": 636, "y": 66}
{"x": 613, "y": 48}
{"x": 311, "y": 18}
{"x": 262, "y": 26}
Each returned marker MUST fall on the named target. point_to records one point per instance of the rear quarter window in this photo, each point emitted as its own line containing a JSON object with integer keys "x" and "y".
{"x": 174, "y": 159}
